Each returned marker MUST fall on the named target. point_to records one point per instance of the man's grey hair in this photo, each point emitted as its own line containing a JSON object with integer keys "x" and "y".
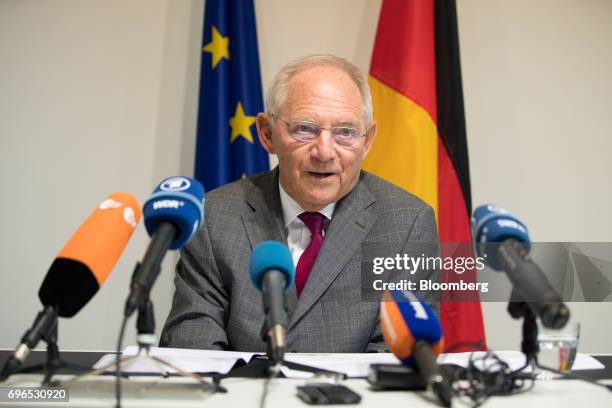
{"x": 277, "y": 92}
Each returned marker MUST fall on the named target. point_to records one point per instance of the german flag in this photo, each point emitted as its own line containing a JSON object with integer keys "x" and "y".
{"x": 421, "y": 146}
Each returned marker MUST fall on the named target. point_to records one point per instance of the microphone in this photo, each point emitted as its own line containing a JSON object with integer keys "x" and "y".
{"x": 79, "y": 270}
{"x": 172, "y": 216}
{"x": 272, "y": 273}
{"x": 413, "y": 334}
{"x": 503, "y": 241}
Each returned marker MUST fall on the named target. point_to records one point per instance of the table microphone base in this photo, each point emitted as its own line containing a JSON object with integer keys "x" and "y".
{"x": 53, "y": 363}
{"x": 145, "y": 339}
{"x": 164, "y": 367}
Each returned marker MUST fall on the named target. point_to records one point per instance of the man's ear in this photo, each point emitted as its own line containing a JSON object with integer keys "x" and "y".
{"x": 370, "y": 136}
{"x": 264, "y": 131}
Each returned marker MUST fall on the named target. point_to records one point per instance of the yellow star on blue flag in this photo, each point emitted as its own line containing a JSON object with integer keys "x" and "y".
{"x": 241, "y": 124}
{"x": 218, "y": 47}
{"x": 230, "y": 95}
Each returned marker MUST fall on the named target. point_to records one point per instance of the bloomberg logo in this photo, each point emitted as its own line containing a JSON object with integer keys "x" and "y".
{"x": 163, "y": 204}
{"x": 175, "y": 184}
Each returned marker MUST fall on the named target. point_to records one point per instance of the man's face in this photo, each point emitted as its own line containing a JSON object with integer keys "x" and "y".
{"x": 318, "y": 172}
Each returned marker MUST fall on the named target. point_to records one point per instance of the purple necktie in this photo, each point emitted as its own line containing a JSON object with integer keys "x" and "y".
{"x": 314, "y": 222}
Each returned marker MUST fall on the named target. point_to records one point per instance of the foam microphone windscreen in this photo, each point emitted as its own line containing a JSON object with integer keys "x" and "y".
{"x": 180, "y": 202}
{"x": 271, "y": 255}
{"x": 85, "y": 262}
{"x": 492, "y": 225}
{"x": 404, "y": 320}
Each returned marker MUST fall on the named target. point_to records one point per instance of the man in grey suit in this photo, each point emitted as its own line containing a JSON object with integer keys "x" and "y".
{"x": 319, "y": 202}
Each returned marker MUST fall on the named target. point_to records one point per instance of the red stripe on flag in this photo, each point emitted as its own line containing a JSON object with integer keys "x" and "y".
{"x": 404, "y": 51}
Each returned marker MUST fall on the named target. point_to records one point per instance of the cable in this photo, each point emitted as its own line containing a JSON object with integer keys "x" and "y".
{"x": 486, "y": 376}
{"x": 273, "y": 372}
{"x": 264, "y": 394}
{"x": 118, "y": 363}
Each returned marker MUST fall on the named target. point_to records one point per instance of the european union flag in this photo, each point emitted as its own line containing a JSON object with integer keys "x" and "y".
{"x": 227, "y": 147}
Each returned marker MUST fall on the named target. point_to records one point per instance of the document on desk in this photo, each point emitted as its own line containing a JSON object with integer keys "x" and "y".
{"x": 205, "y": 361}
{"x": 358, "y": 365}
{"x": 351, "y": 364}
{"x": 195, "y": 361}
{"x": 516, "y": 359}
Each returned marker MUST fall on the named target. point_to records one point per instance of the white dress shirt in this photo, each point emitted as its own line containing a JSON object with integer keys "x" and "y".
{"x": 298, "y": 234}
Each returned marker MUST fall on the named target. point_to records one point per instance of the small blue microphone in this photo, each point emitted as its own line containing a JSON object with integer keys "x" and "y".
{"x": 271, "y": 255}
{"x": 272, "y": 273}
{"x": 177, "y": 200}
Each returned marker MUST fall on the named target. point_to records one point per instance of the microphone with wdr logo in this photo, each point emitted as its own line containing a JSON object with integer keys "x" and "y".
{"x": 272, "y": 273}
{"x": 80, "y": 269}
{"x": 172, "y": 216}
{"x": 503, "y": 241}
{"x": 413, "y": 334}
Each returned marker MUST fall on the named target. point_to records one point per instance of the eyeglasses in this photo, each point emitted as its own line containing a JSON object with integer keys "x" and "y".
{"x": 306, "y": 131}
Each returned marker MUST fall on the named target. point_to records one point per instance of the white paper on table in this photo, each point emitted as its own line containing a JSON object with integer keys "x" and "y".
{"x": 195, "y": 361}
{"x": 586, "y": 362}
{"x": 516, "y": 359}
{"x": 351, "y": 364}
{"x": 296, "y": 374}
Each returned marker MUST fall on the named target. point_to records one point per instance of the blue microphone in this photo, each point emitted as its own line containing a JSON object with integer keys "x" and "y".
{"x": 272, "y": 273}
{"x": 413, "y": 334}
{"x": 503, "y": 241}
{"x": 172, "y": 216}
{"x": 491, "y": 225}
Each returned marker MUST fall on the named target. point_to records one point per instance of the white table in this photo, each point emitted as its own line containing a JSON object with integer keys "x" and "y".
{"x": 243, "y": 392}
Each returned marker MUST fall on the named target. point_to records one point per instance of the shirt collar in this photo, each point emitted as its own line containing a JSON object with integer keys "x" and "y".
{"x": 291, "y": 209}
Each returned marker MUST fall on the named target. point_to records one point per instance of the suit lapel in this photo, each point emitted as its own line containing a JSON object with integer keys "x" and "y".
{"x": 351, "y": 223}
{"x": 262, "y": 218}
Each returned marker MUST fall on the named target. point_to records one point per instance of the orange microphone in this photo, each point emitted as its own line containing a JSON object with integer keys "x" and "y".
{"x": 79, "y": 270}
{"x": 83, "y": 265}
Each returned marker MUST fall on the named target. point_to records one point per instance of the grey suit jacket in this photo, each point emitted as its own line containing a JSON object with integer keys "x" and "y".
{"x": 215, "y": 305}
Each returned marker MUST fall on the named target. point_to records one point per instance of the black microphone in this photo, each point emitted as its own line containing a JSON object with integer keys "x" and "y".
{"x": 172, "y": 216}
{"x": 272, "y": 273}
{"x": 503, "y": 241}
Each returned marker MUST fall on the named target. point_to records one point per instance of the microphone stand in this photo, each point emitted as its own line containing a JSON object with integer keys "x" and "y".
{"x": 46, "y": 322}
{"x": 145, "y": 326}
{"x": 520, "y": 309}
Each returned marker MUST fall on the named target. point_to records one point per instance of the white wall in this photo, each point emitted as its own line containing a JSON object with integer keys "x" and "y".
{"x": 97, "y": 97}
{"x": 537, "y": 78}
{"x": 100, "y": 96}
